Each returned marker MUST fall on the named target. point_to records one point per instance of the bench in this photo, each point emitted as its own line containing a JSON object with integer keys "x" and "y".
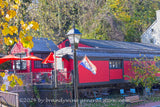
{"x": 132, "y": 99}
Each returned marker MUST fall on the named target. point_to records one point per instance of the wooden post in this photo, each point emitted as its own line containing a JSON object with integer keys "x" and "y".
{"x": 55, "y": 68}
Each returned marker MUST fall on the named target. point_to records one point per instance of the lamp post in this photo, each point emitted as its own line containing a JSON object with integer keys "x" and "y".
{"x": 74, "y": 36}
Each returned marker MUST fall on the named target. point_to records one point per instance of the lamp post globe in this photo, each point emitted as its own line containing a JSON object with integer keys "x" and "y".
{"x": 74, "y": 36}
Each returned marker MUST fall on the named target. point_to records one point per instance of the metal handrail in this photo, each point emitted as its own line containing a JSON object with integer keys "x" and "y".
{"x": 5, "y": 101}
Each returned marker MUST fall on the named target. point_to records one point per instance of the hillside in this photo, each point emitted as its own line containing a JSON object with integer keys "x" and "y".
{"x": 122, "y": 20}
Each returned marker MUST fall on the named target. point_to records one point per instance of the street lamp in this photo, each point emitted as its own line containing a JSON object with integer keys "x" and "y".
{"x": 74, "y": 36}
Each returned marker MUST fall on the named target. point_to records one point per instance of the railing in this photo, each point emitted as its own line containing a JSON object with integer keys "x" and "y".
{"x": 3, "y": 101}
{"x": 9, "y": 98}
{"x": 26, "y": 78}
{"x": 27, "y": 81}
{"x": 64, "y": 77}
{"x": 42, "y": 78}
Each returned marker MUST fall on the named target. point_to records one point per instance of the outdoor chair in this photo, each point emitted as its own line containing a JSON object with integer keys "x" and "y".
{"x": 132, "y": 91}
{"x": 148, "y": 91}
{"x": 122, "y": 93}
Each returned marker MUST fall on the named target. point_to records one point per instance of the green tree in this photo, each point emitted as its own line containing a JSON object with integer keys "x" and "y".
{"x": 134, "y": 15}
{"x": 123, "y": 20}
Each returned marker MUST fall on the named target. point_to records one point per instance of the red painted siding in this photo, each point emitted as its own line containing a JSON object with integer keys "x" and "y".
{"x": 39, "y": 69}
{"x": 70, "y": 65}
{"x": 158, "y": 74}
{"x": 127, "y": 69}
{"x": 116, "y": 74}
{"x": 62, "y": 45}
{"x": 18, "y": 48}
{"x": 102, "y": 75}
{"x": 82, "y": 45}
{"x": 65, "y": 75}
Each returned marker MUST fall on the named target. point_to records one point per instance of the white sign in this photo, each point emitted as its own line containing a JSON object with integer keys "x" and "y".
{"x": 59, "y": 63}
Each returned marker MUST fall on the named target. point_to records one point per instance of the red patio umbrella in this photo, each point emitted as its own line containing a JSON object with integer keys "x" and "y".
{"x": 2, "y": 61}
{"x": 32, "y": 57}
{"x": 49, "y": 59}
{"x": 10, "y": 57}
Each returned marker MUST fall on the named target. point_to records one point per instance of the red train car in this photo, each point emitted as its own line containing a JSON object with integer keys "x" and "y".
{"x": 111, "y": 58}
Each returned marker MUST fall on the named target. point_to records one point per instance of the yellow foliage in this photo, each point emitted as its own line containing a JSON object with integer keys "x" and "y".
{"x": 15, "y": 6}
{"x": 27, "y": 42}
{"x": 35, "y": 25}
{"x": 10, "y": 14}
{"x": 5, "y": 31}
{"x": 8, "y": 41}
{"x": 13, "y": 83}
{"x": 13, "y": 29}
{"x": 21, "y": 22}
{"x": 1, "y": 12}
{"x": 15, "y": 77}
{"x": 5, "y": 25}
{"x": 15, "y": 39}
{"x": 9, "y": 78}
{"x": 29, "y": 27}
{"x": 3, "y": 4}
{"x": 7, "y": 18}
{"x": 29, "y": 38}
{"x": 21, "y": 34}
{"x": 24, "y": 26}
{"x": 2, "y": 74}
{"x": 17, "y": 2}
{"x": 20, "y": 82}
{"x": 3, "y": 87}
{"x": 31, "y": 44}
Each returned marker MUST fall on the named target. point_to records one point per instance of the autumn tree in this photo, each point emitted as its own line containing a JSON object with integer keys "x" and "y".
{"x": 144, "y": 72}
{"x": 13, "y": 27}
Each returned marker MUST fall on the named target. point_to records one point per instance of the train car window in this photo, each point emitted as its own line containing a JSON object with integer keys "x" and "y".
{"x": 115, "y": 64}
